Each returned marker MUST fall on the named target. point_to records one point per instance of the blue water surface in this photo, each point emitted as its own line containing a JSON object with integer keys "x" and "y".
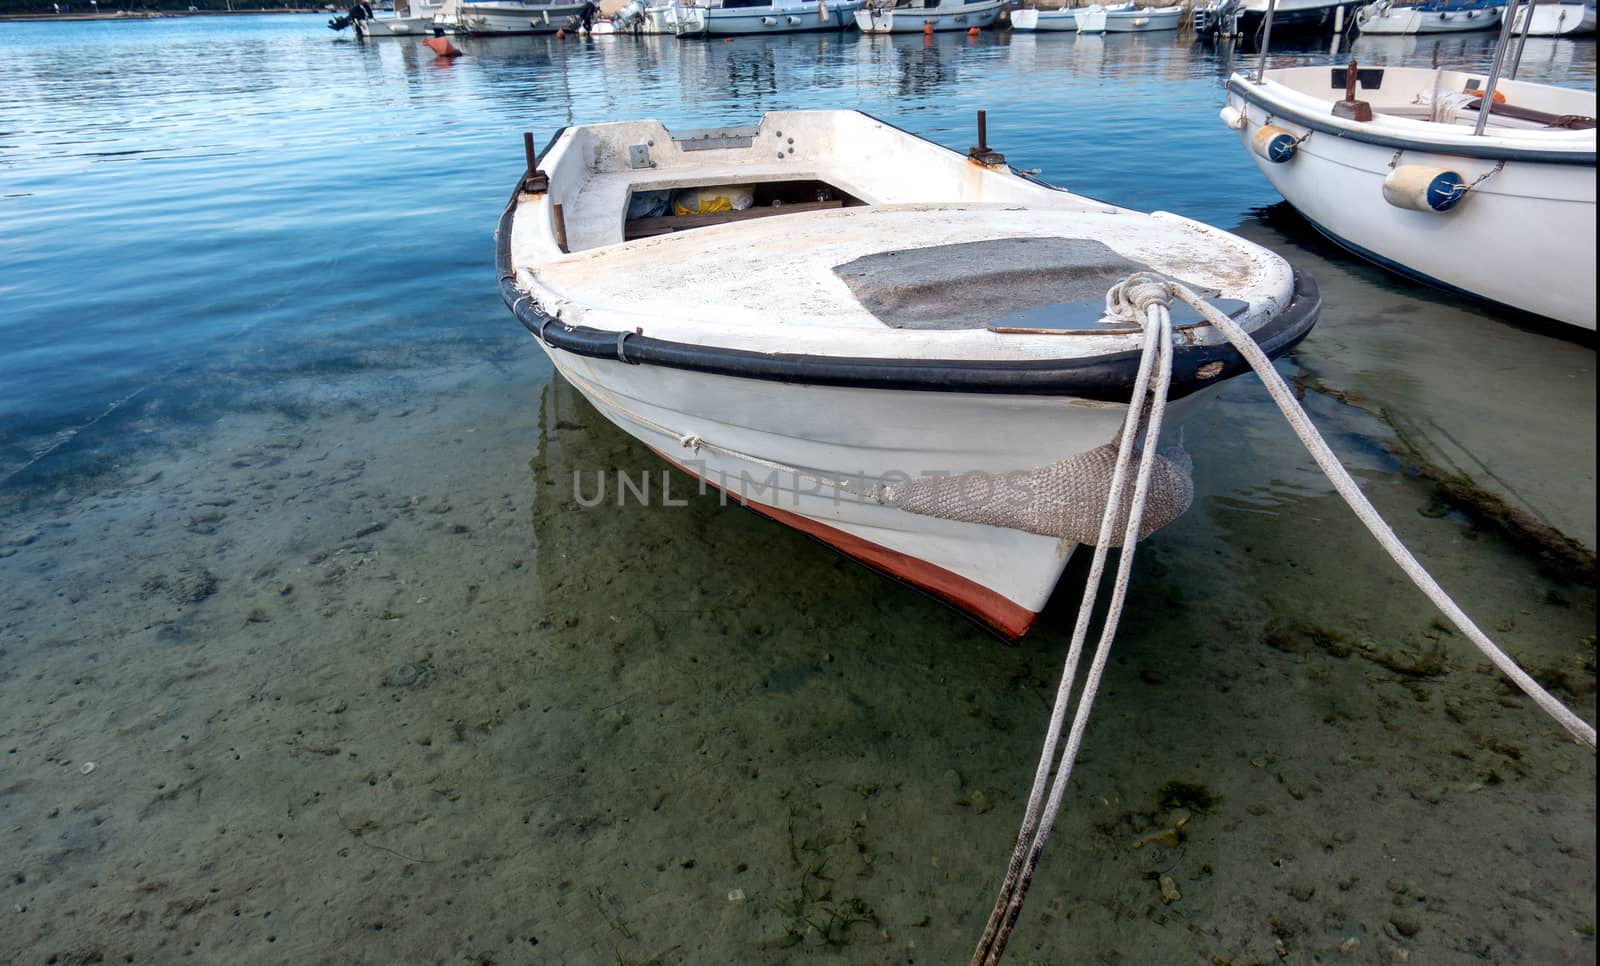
{"x": 195, "y": 208}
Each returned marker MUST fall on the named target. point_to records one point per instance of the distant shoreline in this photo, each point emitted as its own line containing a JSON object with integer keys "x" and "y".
{"x": 154, "y": 14}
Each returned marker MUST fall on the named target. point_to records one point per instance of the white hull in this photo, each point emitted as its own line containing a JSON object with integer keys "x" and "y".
{"x": 517, "y": 18}
{"x": 1556, "y": 19}
{"x": 916, "y": 20}
{"x": 396, "y": 27}
{"x": 832, "y": 429}
{"x": 780, "y": 18}
{"x": 1524, "y": 237}
{"x": 1132, "y": 20}
{"x": 1384, "y": 18}
{"x": 1031, "y": 19}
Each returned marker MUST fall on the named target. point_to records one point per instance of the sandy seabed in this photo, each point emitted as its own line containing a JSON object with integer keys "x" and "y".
{"x": 361, "y": 682}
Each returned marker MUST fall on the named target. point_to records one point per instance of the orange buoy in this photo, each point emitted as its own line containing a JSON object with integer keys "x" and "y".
{"x": 561, "y": 35}
{"x": 442, "y": 46}
{"x": 972, "y": 31}
{"x": 927, "y": 28}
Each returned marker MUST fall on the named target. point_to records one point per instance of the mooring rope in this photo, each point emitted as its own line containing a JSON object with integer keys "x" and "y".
{"x": 1136, "y": 300}
{"x": 1346, "y": 486}
{"x": 1146, "y": 297}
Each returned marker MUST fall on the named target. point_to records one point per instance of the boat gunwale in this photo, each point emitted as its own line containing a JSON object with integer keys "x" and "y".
{"x": 1105, "y": 378}
{"x": 1464, "y": 146}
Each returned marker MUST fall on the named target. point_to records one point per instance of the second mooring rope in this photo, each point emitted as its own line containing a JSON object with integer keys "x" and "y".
{"x": 1145, "y": 298}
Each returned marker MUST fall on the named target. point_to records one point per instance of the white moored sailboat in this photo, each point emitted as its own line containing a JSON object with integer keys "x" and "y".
{"x": 1471, "y": 182}
{"x": 901, "y": 350}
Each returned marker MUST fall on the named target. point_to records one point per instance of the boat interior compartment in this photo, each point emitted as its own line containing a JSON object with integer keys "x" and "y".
{"x": 1447, "y": 96}
{"x": 792, "y": 161}
{"x": 663, "y": 210}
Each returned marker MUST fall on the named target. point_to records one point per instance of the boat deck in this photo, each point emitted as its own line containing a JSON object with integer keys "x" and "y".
{"x": 817, "y": 276}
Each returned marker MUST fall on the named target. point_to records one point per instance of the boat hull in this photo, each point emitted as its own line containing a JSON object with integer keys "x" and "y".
{"x": 1523, "y": 237}
{"x": 1146, "y": 20}
{"x": 1556, "y": 19}
{"x": 395, "y": 27}
{"x": 916, "y": 20}
{"x": 1002, "y": 576}
{"x": 781, "y": 18}
{"x": 1375, "y": 19}
{"x": 513, "y": 18}
{"x": 1031, "y": 19}
{"x": 1301, "y": 20}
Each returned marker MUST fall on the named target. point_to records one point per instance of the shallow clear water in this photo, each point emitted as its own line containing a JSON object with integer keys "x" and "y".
{"x": 290, "y": 553}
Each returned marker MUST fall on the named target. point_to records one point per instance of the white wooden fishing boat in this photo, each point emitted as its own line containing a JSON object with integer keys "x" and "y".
{"x": 898, "y": 349}
{"x": 1507, "y": 214}
{"x": 920, "y": 16}
{"x": 1128, "y": 19}
{"x": 1555, "y": 19}
{"x": 1437, "y": 17}
{"x": 732, "y": 18}
{"x": 1033, "y": 18}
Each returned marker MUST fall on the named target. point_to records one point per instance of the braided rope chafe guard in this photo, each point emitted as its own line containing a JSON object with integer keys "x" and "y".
{"x": 1144, "y": 298}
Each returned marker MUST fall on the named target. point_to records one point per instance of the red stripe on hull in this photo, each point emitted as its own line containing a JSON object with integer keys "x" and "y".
{"x": 995, "y": 610}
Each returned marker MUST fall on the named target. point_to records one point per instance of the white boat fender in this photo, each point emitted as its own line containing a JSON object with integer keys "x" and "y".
{"x": 769, "y": 21}
{"x": 1275, "y": 144}
{"x": 1422, "y": 187}
{"x": 793, "y": 21}
{"x": 1232, "y": 117}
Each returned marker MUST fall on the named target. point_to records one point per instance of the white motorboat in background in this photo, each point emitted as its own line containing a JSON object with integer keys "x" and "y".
{"x": 1555, "y": 19}
{"x": 1128, "y": 19}
{"x": 898, "y": 349}
{"x": 1436, "y": 17}
{"x": 1034, "y": 18}
{"x": 510, "y": 16}
{"x": 920, "y": 16}
{"x": 1099, "y": 18}
{"x": 412, "y": 18}
{"x": 1484, "y": 191}
{"x": 732, "y": 18}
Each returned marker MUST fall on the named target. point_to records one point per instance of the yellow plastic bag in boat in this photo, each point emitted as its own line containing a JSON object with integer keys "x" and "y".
{"x": 705, "y": 201}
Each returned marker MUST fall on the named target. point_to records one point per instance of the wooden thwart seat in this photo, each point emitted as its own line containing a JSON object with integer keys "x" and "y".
{"x": 1570, "y": 122}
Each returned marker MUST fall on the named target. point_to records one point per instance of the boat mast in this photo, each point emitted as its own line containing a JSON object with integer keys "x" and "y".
{"x": 1486, "y": 106}
{"x": 1266, "y": 39}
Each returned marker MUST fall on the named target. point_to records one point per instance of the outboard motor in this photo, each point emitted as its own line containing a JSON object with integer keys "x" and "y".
{"x": 630, "y": 16}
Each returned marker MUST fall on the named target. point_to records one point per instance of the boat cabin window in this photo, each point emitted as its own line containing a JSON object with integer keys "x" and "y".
{"x": 679, "y": 209}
